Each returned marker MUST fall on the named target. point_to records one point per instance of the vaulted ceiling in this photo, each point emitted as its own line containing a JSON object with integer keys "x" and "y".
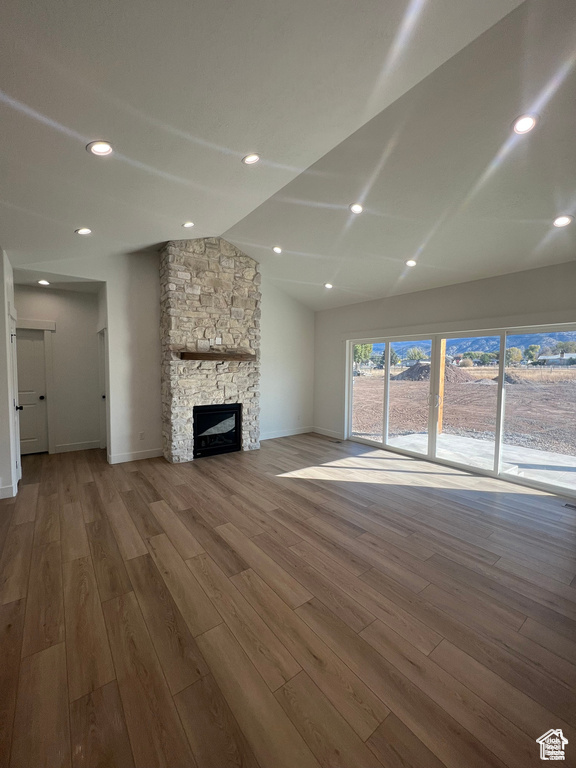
{"x": 405, "y": 106}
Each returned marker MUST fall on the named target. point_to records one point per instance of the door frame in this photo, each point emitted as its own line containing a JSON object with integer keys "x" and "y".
{"x": 436, "y": 337}
{"x": 103, "y": 380}
{"x": 15, "y": 432}
{"x": 49, "y": 327}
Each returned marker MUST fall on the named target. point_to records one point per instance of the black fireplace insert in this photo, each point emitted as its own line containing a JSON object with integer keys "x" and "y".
{"x": 217, "y": 429}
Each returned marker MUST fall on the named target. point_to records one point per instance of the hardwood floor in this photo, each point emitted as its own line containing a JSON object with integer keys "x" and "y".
{"x": 314, "y": 603}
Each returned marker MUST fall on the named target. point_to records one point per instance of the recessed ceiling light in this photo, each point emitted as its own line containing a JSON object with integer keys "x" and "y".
{"x": 99, "y": 148}
{"x": 251, "y": 159}
{"x": 563, "y": 221}
{"x": 524, "y": 124}
{"x": 188, "y": 224}
{"x": 83, "y": 231}
{"x": 277, "y": 249}
{"x": 43, "y": 282}
{"x": 356, "y": 208}
{"x": 410, "y": 263}
{"x": 328, "y": 285}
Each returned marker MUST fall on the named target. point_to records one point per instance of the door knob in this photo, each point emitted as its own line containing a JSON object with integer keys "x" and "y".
{"x": 41, "y": 397}
{"x": 19, "y": 407}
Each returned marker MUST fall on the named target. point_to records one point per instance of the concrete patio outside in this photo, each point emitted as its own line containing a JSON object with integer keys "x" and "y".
{"x": 555, "y": 469}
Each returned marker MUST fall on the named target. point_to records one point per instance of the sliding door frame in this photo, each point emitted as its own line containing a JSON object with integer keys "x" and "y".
{"x": 500, "y": 407}
{"x": 436, "y": 339}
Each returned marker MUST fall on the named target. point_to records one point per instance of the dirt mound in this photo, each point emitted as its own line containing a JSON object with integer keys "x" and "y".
{"x": 455, "y": 375}
{"x": 510, "y": 378}
{"x": 421, "y": 372}
{"x": 417, "y": 372}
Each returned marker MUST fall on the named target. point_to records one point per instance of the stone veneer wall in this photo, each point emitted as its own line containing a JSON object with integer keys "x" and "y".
{"x": 208, "y": 290}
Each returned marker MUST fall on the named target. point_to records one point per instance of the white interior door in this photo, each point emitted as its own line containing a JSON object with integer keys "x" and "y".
{"x": 32, "y": 391}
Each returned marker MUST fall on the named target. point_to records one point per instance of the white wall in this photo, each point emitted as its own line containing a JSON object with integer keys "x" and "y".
{"x": 75, "y": 398}
{"x": 132, "y": 301}
{"x": 8, "y": 453}
{"x": 293, "y": 361}
{"x": 102, "y": 321}
{"x": 287, "y": 364}
{"x": 534, "y": 297}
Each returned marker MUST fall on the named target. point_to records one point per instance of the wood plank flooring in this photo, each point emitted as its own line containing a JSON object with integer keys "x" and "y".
{"x": 314, "y": 603}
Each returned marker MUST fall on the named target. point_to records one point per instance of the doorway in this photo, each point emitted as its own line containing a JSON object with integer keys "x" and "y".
{"x": 31, "y": 365}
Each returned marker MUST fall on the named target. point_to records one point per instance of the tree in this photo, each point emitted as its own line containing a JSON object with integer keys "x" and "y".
{"x": 564, "y": 346}
{"x": 416, "y": 353}
{"x": 513, "y": 355}
{"x": 394, "y": 359}
{"x": 545, "y": 351}
{"x": 362, "y": 352}
{"x": 531, "y": 352}
{"x": 466, "y": 362}
{"x": 472, "y": 355}
{"x": 486, "y": 358}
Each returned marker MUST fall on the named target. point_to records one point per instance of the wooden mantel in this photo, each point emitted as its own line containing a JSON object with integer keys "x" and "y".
{"x": 217, "y": 356}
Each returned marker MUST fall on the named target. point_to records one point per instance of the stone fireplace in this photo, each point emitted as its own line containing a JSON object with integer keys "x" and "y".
{"x": 210, "y": 309}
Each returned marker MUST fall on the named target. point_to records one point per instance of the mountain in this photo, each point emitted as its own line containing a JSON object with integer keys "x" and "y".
{"x": 482, "y": 343}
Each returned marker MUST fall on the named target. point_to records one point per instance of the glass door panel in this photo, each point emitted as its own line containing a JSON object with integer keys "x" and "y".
{"x": 409, "y": 395}
{"x": 539, "y": 432}
{"x": 467, "y": 403}
{"x": 368, "y": 391}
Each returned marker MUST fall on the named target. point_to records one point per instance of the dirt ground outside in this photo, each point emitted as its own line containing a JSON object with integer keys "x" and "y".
{"x": 540, "y": 411}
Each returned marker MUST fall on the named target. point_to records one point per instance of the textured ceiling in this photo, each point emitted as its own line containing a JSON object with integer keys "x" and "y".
{"x": 401, "y": 105}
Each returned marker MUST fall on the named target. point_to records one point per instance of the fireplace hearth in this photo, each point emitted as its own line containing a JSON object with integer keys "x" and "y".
{"x": 217, "y": 429}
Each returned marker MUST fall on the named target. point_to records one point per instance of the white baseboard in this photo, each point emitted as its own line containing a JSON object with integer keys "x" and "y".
{"x": 120, "y": 458}
{"x": 285, "y": 433}
{"x": 66, "y": 447}
{"x": 8, "y": 491}
{"x": 328, "y": 433}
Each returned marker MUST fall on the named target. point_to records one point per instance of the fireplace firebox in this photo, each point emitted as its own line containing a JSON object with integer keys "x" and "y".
{"x": 217, "y": 429}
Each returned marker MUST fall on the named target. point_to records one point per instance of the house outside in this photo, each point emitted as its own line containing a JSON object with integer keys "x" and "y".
{"x": 564, "y": 358}
{"x": 408, "y": 363}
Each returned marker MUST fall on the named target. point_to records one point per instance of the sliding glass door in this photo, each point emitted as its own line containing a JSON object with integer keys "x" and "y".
{"x": 409, "y": 396}
{"x": 367, "y": 411}
{"x": 467, "y": 403}
{"x": 503, "y": 403}
{"x": 539, "y": 434}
